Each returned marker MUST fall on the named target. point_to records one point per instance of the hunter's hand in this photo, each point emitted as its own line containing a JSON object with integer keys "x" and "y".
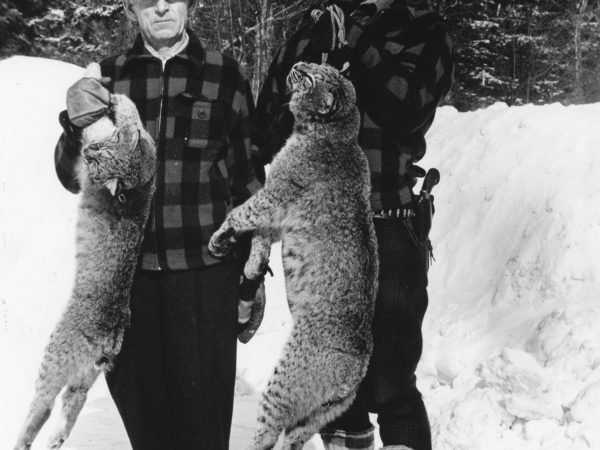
{"x": 251, "y": 307}
{"x": 88, "y": 99}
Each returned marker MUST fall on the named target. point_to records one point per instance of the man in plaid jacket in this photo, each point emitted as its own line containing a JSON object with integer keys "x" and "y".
{"x": 401, "y": 63}
{"x": 173, "y": 380}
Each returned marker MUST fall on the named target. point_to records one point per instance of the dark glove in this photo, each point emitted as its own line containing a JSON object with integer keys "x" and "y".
{"x": 251, "y": 307}
{"x": 87, "y": 101}
{"x": 71, "y": 142}
{"x": 414, "y": 172}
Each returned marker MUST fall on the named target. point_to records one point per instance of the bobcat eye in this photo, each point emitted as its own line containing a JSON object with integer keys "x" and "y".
{"x": 95, "y": 146}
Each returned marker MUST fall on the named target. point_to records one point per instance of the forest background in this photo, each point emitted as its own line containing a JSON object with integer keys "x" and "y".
{"x": 514, "y": 51}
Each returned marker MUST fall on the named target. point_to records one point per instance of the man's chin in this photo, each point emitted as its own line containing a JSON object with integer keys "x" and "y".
{"x": 163, "y": 36}
{"x": 164, "y": 33}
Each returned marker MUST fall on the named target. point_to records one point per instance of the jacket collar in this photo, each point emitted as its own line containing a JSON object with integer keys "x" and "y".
{"x": 193, "y": 54}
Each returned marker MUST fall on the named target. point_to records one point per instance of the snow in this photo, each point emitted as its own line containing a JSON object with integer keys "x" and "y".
{"x": 512, "y": 342}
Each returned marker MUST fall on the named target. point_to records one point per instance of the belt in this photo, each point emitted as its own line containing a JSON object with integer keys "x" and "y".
{"x": 399, "y": 213}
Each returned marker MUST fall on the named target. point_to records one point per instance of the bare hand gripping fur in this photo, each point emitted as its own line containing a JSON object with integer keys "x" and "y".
{"x": 316, "y": 199}
{"x": 116, "y": 174}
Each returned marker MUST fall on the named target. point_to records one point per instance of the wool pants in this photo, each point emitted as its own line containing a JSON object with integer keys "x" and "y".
{"x": 389, "y": 389}
{"x": 173, "y": 381}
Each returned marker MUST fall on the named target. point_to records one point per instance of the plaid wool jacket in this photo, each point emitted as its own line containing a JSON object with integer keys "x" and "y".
{"x": 197, "y": 109}
{"x": 401, "y": 64}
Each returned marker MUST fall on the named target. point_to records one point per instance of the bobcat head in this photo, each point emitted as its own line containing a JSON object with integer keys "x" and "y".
{"x": 117, "y": 152}
{"x": 320, "y": 93}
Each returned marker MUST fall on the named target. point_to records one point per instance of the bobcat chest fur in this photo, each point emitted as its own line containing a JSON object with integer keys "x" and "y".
{"x": 316, "y": 200}
{"x": 116, "y": 172}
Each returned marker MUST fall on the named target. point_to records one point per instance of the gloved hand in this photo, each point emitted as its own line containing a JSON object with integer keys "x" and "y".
{"x": 71, "y": 142}
{"x": 408, "y": 207}
{"x": 251, "y": 307}
{"x": 329, "y": 32}
{"x": 88, "y": 99}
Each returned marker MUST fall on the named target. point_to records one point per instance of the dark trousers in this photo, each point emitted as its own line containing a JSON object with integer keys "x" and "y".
{"x": 389, "y": 389}
{"x": 173, "y": 380}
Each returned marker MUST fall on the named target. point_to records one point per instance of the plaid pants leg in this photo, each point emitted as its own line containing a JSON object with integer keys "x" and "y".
{"x": 389, "y": 388}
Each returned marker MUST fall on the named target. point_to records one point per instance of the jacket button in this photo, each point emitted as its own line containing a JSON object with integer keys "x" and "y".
{"x": 202, "y": 114}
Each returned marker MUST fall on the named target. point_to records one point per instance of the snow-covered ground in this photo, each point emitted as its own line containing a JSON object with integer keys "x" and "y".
{"x": 512, "y": 334}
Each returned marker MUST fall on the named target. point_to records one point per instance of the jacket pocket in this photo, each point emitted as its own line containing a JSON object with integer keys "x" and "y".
{"x": 201, "y": 124}
{"x": 200, "y": 128}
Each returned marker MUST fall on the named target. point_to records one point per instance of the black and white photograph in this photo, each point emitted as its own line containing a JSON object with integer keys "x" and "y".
{"x": 300, "y": 224}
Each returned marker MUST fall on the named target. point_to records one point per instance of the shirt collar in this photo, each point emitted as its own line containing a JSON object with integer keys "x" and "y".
{"x": 193, "y": 52}
{"x": 174, "y": 51}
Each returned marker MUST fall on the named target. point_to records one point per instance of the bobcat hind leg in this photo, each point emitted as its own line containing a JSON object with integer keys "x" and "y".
{"x": 309, "y": 387}
{"x": 37, "y": 417}
{"x": 73, "y": 400}
{"x": 47, "y": 388}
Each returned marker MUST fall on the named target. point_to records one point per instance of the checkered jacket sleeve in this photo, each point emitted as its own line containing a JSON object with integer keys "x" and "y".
{"x": 243, "y": 182}
{"x": 273, "y": 121}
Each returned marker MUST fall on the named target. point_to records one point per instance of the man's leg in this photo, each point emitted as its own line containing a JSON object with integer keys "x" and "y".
{"x": 401, "y": 304}
{"x": 404, "y": 421}
{"x": 200, "y": 329}
{"x": 390, "y": 385}
{"x": 137, "y": 381}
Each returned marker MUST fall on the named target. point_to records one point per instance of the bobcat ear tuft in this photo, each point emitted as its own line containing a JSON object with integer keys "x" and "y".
{"x": 112, "y": 185}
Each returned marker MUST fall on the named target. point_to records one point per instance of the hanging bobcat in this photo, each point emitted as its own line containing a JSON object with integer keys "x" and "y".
{"x": 316, "y": 200}
{"x": 116, "y": 173}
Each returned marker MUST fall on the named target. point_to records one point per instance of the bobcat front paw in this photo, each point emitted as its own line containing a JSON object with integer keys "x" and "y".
{"x": 221, "y": 242}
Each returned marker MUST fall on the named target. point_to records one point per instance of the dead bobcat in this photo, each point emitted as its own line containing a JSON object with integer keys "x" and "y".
{"x": 116, "y": 174}
{"x": 316, "y": 199}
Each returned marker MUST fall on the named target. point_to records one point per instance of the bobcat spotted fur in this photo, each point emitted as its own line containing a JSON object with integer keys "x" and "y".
{"x": 116, "y": 175}
{"x": 316, "y": 200}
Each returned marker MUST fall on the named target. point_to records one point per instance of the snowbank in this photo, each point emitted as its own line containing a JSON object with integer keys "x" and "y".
{"x": 512, "y": 342}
